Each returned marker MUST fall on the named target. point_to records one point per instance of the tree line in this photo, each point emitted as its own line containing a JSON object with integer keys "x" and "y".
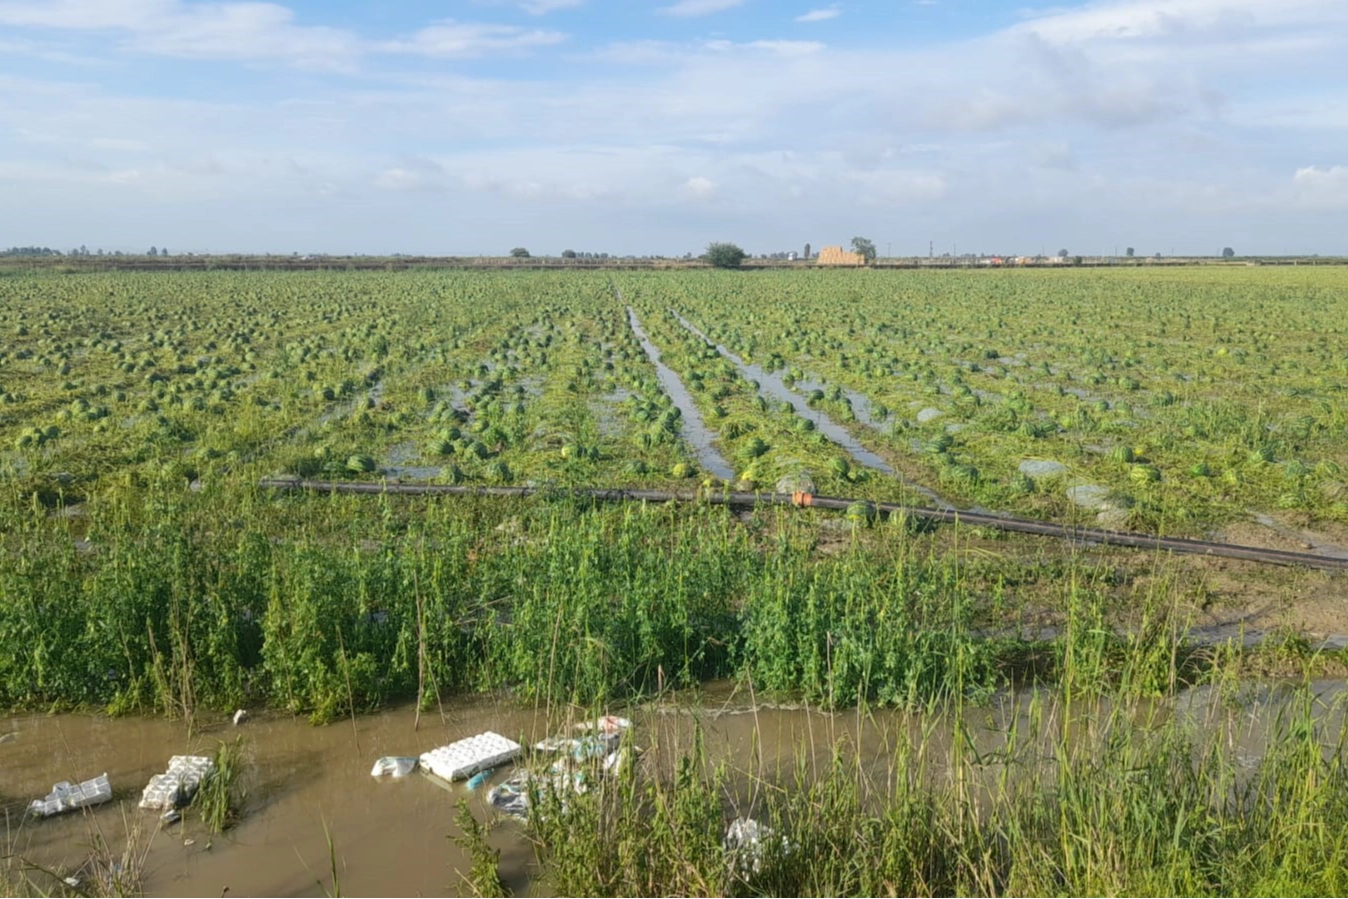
{"x": 78, "y": 251}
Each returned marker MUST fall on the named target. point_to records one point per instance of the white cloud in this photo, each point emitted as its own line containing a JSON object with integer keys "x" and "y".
{"x": 690, "y": 8}
{"x": 1318, "y": 177}
{"x": 543, "y": 7}
{"x": 1322, "y": 187}
{"x": 779, "y": 48}
{"x": 87, "y": 14}
{"x": 1153, "y": 19}
{"x": 821, "y": 15}
{"x": 414, "y": 173}
{"x": 897, "y": 187}
{"x": 699, "y": 187}
{"x": 651, "y": 52}
{"x": 1130, "y": 116}
{"x": 119, "y": 144}
{"x": 48, "y": 53}
{"x": 399, "y": 179}
{"x": 472, "y": 39}
{"x": 228, "y": 31}
{"x": 244, "y": 31}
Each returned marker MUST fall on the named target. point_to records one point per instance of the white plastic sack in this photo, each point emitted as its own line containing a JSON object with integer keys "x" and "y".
{"x": 394, "y": 766}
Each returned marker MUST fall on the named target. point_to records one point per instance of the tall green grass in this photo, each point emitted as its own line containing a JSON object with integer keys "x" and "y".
{"x": 331, "y": 605}
{"x": 1110, "y": 797}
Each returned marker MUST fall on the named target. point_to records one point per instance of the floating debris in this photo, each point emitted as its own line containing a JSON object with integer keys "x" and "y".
{"x": 590, "y": 747}
{"x": 65, "y": 797}
{"x": 747, "y": 840}
{"x": 513, "y": 797}
{"x": 609, "y": 725}
{"x": 597, "y": 751}
{"x": 176, "y": 787}
{"x": 465, "y": 758}
{"x": 394, "y": 766}
{"x": 480, "y": 778}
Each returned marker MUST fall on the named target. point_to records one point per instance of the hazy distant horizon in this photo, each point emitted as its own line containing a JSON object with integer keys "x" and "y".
{"x": 653, "y": 128}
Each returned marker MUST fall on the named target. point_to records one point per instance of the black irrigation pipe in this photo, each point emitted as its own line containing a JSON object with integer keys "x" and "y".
{"x": 1080, "y": 535}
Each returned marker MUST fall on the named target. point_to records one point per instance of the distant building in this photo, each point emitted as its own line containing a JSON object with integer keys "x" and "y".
{"x": 839, "y": 256}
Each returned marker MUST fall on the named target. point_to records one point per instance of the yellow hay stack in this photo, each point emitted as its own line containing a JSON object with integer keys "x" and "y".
{"x": 838, "y": 256}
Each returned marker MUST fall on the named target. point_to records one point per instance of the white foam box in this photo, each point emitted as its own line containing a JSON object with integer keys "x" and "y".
{"x": 185, "y": 772}
{"x": 465, "y": 758}
{"x": 64, "y": 796}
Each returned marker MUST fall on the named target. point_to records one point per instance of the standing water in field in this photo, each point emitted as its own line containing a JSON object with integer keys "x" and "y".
{"x": 860, "y": 403}
{"x": 773, "y": 385}
{"x": 695, "y": 431}
{"x": 312, "y": 805}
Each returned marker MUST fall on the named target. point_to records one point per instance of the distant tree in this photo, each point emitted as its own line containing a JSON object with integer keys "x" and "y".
{"x": 163, "y": 251}
{"x": 724, "y": 255}
{"x": 1158, "y": 255}
{"x": 807, "y": 251}
{"x": 153, "y": 251}
{"x": 519, "y": 253}
{"x": 1227, "y": 253}
{"x": 1076, "y": 260}
{"x": 1062, "y": 254}
{"x": 1131, "y": 252}
{"x": 864, "y": 248}
{"x": 568, "y": 254}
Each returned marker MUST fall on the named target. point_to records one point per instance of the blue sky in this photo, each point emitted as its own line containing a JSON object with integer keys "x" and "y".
{"x": 625, "y": 126}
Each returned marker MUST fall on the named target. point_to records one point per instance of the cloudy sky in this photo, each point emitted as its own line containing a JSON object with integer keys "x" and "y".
{"x": 655, "y": 126}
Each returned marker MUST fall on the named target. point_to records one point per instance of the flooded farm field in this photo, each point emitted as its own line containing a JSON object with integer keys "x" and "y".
{"x": 315, "y": 821}
{"x": 831, "y": 704}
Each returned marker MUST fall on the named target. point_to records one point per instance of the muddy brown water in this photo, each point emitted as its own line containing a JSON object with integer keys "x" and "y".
{"x": 307, "y": 783}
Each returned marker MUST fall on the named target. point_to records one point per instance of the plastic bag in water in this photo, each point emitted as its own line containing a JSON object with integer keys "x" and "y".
{"x": 394, "y": 766}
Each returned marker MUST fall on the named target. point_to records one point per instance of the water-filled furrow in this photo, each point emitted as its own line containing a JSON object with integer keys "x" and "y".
{"x": 772, "y": 385}
{"x": 695, "y": 431}
{"x": 860, "y": 403}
